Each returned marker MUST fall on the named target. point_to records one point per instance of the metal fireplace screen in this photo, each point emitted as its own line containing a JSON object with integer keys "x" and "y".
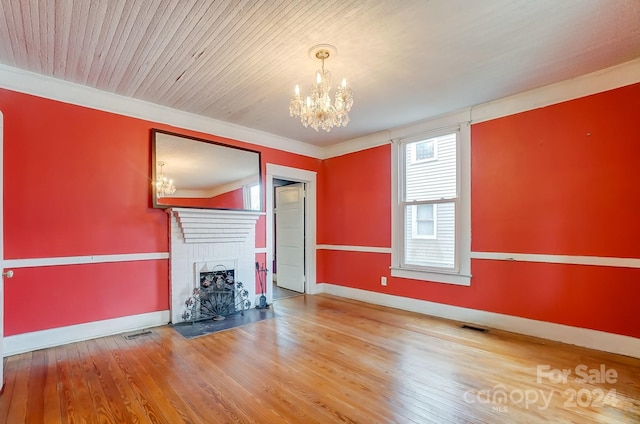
{"x": 218, "y": 296}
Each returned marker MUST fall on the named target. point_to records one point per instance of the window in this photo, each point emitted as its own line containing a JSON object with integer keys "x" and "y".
{"x": 431, "y": 238}
{"x": 251, "y": 194}
{"x": 422, "y": 151}
{"x": 423, "y": 223}
{"x": 428, "y": 184}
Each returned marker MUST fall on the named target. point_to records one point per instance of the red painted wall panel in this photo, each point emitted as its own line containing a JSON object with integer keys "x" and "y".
{"x": 354, "y": 199}
{"x": 261, "y": 231}
{"x": 560, "y": 180}
{"x": 230, "y": 200}
{"x": 594, "y": 297}
{"x": 56, "y": 296}
{"x": 76, "y": 181}
{"x": 360, "y": 270}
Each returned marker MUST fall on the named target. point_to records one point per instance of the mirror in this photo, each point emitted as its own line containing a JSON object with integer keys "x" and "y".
{"x": 196, "y": 173}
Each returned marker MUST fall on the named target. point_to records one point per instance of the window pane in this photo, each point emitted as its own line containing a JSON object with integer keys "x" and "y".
{"x": 423, "y": 220}
{"x": 425, "y": 150}
{"x": 425, "y": 228}
{"x": 425, "y": 212}
{"x": 255, "y": 197}
{"x": 431, "y": 252}
{"x": 434, "y": 179}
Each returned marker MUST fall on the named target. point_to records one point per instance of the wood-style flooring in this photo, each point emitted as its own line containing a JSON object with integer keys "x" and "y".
{"x": 282, "y": 293}
{"x": 323, "y": 359}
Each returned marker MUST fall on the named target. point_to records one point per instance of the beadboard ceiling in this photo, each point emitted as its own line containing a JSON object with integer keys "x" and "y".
{"x": 238, "y": 61}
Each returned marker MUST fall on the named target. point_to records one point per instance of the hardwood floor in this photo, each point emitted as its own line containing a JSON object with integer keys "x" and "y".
{"x": 282, "y": 293}
{"x": 322, "y": 359}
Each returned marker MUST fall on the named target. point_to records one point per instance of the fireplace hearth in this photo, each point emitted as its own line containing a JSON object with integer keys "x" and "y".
{"x": 217, "y": 297}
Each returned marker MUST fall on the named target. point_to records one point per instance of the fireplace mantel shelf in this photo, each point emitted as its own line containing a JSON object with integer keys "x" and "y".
{"x": 215, "y": 225}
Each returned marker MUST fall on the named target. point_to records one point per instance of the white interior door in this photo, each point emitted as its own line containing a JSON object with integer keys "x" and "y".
{"x": 290, "y": 236}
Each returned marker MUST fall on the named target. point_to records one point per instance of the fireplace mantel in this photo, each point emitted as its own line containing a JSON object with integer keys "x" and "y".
{"x": 215, "y": 225}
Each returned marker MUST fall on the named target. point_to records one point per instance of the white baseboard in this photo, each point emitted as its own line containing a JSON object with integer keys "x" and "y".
{"x": 28, "y": 342}
{"x": 594, "y": 339}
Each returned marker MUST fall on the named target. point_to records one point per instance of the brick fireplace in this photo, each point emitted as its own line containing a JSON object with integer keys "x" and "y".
{"x": 202, "y": 239}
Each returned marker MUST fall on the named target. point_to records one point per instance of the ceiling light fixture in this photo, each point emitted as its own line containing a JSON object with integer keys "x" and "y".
{"x": 164, "y": 186}
{"x": 317, "y": 110}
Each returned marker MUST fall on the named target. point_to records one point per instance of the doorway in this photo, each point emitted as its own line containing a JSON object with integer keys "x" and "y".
{"x": 1, "y": 254}
{"x": 299, "y": 257}
{"x": 288, "y": 238}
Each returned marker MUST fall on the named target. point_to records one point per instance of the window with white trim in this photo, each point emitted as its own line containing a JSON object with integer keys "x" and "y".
{"x": 431, "y": 238}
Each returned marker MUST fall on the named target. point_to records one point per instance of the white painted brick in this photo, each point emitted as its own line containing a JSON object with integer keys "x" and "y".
{"x": 186, "y": 255}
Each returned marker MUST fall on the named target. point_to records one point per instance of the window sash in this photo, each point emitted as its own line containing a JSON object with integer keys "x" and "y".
{"x": 405, "y": 261}
{"x": 442, "y": 171}
{"x": 444, "y": 261}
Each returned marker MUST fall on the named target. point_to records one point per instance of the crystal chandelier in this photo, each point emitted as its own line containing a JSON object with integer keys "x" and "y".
{"x": 164, "y": 186}
{"x": 317, "y": 110}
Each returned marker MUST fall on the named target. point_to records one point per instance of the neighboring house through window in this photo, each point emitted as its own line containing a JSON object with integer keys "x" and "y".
{"x": 422, "y": 151}
{"x": 424, "y": 221}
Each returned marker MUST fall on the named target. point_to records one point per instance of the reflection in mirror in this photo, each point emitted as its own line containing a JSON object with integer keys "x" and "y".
{"x": 197, "y": 173}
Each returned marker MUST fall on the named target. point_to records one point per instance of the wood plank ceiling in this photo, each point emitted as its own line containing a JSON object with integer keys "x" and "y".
{"x": 238, "y": 61}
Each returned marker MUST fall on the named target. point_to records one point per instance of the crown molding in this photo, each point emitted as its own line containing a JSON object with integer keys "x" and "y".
{"x": 52, "y": 88}
{"x": 357, "y": 144}
{"x": 585, "y": 85}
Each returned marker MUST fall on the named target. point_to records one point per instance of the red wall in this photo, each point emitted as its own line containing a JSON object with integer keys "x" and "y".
{"x": 354, "y": 194}
{"x": 230, "y": 200}
{"x": 560, "y": 180}
{"x": 57, "y": 296}
{"x": 77, "y": 183}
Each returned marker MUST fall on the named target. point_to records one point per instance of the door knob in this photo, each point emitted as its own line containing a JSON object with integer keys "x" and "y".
{"x": 8, "y": 273}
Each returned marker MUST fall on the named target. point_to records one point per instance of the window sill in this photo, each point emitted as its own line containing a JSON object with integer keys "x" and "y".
{"x": 436, "y": 277}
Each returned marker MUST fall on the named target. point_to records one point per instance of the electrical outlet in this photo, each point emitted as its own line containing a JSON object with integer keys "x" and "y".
{"x": 383, "y": 281}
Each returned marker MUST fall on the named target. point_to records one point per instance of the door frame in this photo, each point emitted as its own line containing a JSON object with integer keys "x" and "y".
{"x": 1, "y": 252}
{"x": 293, "y": 206}
{"x": 309, "y": 180}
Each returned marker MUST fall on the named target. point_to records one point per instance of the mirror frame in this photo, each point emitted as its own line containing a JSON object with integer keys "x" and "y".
{"x": 154, "y": 198}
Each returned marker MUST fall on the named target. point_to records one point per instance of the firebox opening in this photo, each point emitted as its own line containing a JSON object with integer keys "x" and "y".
{"x": 218, "y": 295}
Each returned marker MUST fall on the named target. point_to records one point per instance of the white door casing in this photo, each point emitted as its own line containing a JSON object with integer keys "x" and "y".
{"x": 1, "y": 252}
{"x": 290, "y": 237}
{"x": 309, "y": 179}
